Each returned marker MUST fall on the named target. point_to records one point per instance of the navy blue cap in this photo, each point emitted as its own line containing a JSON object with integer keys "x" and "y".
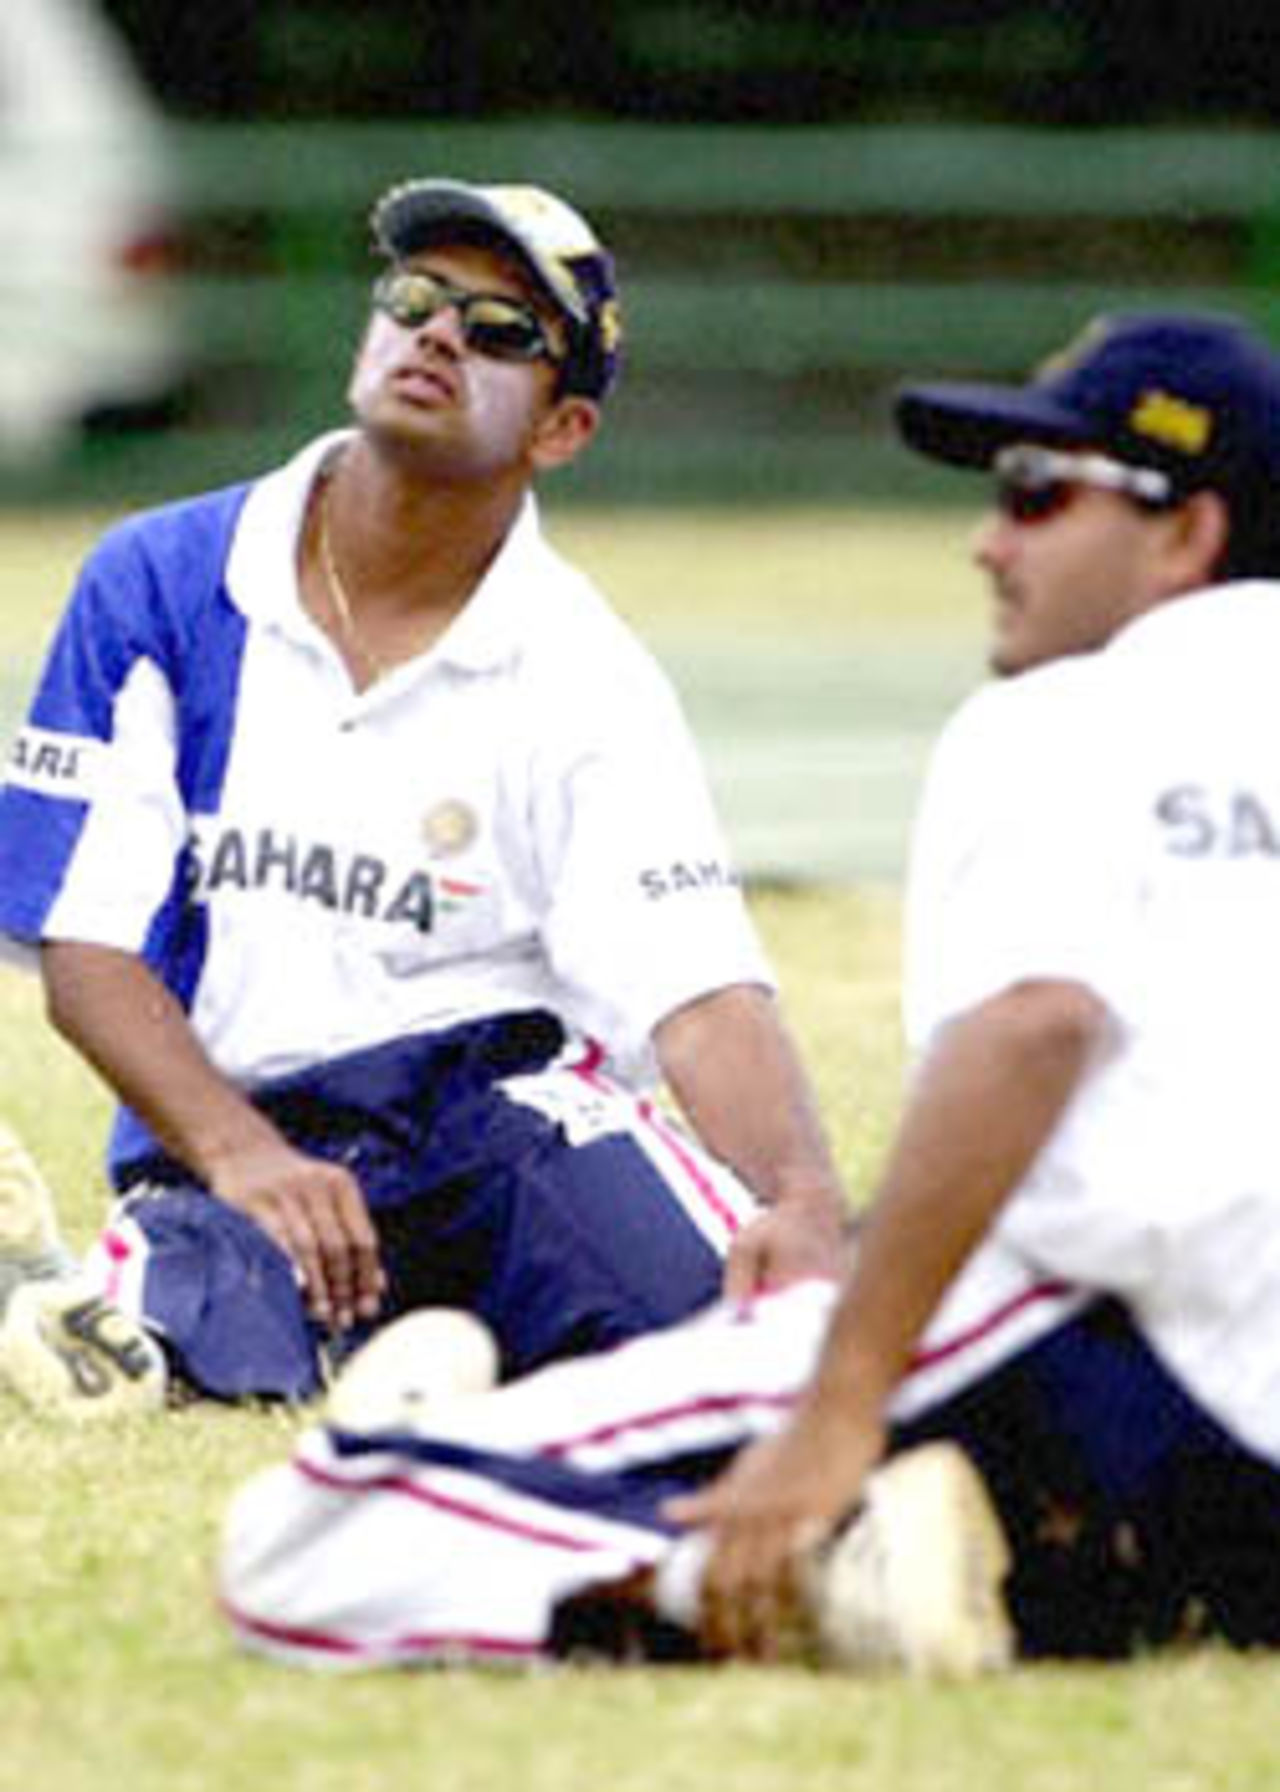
{"x": 1195, "y": 396}
{"x": 552, "y": 242}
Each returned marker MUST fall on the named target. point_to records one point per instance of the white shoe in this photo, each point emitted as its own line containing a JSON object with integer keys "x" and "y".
{"x": 66, "y": 1351}
{"x": 914, "y": 1581}
{"x": 410, "y": 1369}
{"x": 31, "y": 1248}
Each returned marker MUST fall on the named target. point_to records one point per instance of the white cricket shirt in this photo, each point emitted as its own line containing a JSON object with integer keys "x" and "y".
{"x": 1115, "y": 819}
{"x": 517, "y": 818}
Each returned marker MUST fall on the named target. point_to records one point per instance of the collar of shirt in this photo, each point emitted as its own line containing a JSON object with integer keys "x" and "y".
{"x": 1245, "y": 605}
{"x": 262, "y": 576}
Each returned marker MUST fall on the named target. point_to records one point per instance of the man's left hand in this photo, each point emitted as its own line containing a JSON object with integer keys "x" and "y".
{"x": 788, "y": 1241}
{"x": 767, "y": 1515}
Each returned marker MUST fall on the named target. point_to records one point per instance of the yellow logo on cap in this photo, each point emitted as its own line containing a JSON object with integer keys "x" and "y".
{"x": 610, "y": 325}
{"x": 1172, "y": 421}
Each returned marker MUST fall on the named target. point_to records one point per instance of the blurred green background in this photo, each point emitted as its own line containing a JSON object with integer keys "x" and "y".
{"x": 808, "y": 201}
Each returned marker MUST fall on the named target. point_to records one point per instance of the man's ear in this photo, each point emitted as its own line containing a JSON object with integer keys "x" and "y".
{"x": 1198, "y": 540}
{"x": 563, "y": 432}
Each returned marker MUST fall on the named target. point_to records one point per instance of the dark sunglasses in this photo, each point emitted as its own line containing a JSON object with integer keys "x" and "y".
{"x": 505, "y": 329}
{"x": 1034, "y": 484}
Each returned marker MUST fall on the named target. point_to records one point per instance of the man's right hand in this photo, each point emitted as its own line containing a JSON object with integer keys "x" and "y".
{"x": 314, "y": 1210}
{"x": 316, "y": 1213}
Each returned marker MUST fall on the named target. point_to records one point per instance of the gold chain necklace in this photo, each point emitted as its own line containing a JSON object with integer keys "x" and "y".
{"x": 338, "y": 593}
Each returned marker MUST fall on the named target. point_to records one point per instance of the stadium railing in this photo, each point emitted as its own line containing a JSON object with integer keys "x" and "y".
{"x": 778, "y": 281}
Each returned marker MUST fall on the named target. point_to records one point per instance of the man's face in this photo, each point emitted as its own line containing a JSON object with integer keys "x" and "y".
{"x": 424, "y": 390}
{"x": 1065, "y": 581}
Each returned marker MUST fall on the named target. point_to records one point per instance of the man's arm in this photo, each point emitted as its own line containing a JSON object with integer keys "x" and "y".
{"x": 730, "y": 1063}
{"x": 111, "y": 1007}
{"x": 984, "y": 1104}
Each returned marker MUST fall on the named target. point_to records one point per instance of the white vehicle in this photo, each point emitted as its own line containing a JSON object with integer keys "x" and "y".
{"x": 88, "y": 310}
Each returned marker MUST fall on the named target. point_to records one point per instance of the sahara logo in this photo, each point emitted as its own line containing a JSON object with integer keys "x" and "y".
{"x": 338, "y": 878}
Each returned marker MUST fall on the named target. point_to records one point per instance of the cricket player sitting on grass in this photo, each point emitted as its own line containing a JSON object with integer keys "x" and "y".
{"x": 1041, "y": 1416}
{"x": 366, "y": 854}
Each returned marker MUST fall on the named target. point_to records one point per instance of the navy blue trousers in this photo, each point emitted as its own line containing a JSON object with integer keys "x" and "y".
{"x": 480, "y": 1201}
{"x": 1134, "y": 1518}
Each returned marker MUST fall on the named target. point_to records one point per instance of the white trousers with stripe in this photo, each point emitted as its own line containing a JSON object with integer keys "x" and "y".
{"x": 460, "y": 1545}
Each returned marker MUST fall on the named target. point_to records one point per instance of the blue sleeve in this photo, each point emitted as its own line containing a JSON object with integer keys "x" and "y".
{"x": 151, "y": 591}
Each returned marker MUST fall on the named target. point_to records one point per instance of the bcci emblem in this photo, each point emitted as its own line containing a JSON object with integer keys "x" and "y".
{"x": 449, "y": 828}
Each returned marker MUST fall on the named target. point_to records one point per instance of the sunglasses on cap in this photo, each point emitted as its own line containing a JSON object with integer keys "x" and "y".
{"x": 1034, "y": 484}
{"x": 502, "y": 328}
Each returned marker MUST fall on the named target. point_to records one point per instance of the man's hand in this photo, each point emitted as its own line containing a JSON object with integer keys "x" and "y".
{"x": 983, "y": 1103}
{"x": 732, "y": 1066}
{"x": 787, "y": 1242}
{"x": 768, "y": 1513}
{"x": 313, "y": 1210}
{"x": 316, "y": 1213}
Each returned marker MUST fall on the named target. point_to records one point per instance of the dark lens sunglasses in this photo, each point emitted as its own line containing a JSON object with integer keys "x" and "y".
{"x": 492, "y": 324}
{"x": 1034, "y": 484}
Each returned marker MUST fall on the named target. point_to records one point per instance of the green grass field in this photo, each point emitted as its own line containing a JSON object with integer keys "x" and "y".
{"x": 114, "y": 1669}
